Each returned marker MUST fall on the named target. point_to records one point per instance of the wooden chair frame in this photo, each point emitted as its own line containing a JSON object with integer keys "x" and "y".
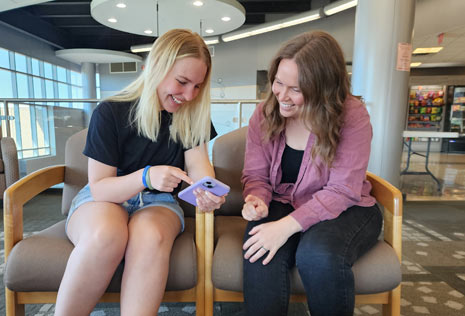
{"x": 386, "y": 194}
{"x": 28, "y": 187}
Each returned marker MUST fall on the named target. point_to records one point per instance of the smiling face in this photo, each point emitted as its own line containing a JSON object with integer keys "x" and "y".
{"x": 182, "y": 83}
{"x": 286, "y": 89}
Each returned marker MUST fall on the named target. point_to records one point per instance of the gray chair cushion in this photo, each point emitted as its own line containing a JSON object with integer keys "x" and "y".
{"x": 377, "y": 271}
{"x": 37, "y": 263}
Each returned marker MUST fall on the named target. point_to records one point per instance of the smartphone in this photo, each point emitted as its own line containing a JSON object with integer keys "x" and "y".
{"x": 207, "y": 183}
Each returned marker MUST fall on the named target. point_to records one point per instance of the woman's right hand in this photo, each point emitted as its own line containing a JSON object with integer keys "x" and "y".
{"x": 254, "y": 208}
{"x": 167, "y": 178}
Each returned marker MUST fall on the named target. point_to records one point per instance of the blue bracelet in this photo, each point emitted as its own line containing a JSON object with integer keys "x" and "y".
{"x": 144, "y": 175}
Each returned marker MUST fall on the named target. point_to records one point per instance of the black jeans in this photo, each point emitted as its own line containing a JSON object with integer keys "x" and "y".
{"x": 324, "y": 255}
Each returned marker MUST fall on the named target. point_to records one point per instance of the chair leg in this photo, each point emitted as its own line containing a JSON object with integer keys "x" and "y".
{"x": 209, "y": 300}
{"x": 200, "y": 299}
{"x": 11, "y": 305}
{"x": 393, "y": 307}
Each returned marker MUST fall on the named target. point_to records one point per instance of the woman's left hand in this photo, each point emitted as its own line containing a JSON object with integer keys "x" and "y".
{"x": 207, "y": 201}
{"x": 267, "y": 238}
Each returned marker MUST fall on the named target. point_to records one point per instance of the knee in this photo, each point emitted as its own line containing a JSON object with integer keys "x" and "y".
{"x": 107, "y": 241}
{"x": 317, "y": 259}
{"x": 151, "y": 238}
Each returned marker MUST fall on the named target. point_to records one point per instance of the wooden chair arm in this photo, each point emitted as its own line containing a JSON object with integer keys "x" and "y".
{"x": 391, "y": 199}
{"x": 21, "y": 192}
{"x": 209, "y": 248}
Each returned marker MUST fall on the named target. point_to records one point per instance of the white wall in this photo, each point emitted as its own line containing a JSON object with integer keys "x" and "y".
{"x": 110, "y": 83}
{"x": 236, "y": 63}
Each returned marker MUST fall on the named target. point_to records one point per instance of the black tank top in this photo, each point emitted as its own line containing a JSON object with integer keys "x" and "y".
{"x": 290, "y": 164}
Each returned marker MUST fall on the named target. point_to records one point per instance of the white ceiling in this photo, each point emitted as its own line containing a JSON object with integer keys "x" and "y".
{"x": 433, "y": 17}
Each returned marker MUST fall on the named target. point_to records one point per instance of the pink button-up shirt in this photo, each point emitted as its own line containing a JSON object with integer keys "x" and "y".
{"x": 319, "y": 193}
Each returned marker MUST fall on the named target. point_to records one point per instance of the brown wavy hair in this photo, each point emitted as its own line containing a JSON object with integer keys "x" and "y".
{"x": 325, "y": 85}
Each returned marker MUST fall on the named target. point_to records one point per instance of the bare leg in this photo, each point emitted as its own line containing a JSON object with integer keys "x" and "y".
{"x": 99, "y": 232}
{"x": 152, "y": 232}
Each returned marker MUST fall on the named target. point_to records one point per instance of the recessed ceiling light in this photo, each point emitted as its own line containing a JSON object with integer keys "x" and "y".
{"x": 198, "y": 3}
{"x": 209, "y": 31}
{"x": 148, "y": 31}
{"x": 427, "y": 50}
{"x": 121, "y": 5}
{"x": 226, "y": 19}
{"x": 415, "y": 64}
{"x": 112, "y": 20}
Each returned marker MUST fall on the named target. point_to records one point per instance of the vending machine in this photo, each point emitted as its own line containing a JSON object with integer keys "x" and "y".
{"x": 455, "y": 120}
{"x": 426, "y": 108}
{"x": 457, "y": 111}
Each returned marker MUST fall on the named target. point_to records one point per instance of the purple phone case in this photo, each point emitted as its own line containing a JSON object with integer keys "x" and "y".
{"x": 207, "y": 183}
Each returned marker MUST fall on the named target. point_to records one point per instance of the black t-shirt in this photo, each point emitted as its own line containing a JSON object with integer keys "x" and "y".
{"x": 114, "y": 142}
{"x": 290, "y": 164}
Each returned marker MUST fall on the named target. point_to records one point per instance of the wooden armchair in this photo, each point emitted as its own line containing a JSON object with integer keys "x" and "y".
{"x": 35, "y": 265}
{"x": 377, "y": 273}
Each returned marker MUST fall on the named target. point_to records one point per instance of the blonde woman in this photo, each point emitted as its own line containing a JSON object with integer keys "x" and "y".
{"x": 307, "y": 199}
{"x": 137, "y": 146}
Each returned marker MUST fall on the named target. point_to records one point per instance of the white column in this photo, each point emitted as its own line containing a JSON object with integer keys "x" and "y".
{"x": 89, "y": 90}
{"x": 379, "y": 27}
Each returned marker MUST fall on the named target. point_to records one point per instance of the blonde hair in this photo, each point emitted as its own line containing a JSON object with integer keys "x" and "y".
{"x": 325, "y": 85}
{"x": 191, "y": 123}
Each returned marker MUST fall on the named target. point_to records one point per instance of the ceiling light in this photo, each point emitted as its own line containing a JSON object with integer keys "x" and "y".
{"x": 121, "y": 5}
{"x": 198, "y": 3}
{"x": 339, "y": 6}
{"x": 112, "y": 20}
{"x": 209, "y": 31}
{"x": 226, "y": 19}
{"x": 427, "y": 50}
{"x": 146, "y": 47}
{"x": 148, "y": 31}
{"x": 415, "y": 64}
{"x": 211, "y": 40}
{"x": 272, "y": 26}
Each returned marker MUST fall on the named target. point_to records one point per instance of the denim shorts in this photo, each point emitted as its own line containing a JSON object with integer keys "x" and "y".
{"x": 138, "y": 202}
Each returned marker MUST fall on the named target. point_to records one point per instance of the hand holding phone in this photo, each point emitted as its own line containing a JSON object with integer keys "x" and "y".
{"x": 209, "y": 184}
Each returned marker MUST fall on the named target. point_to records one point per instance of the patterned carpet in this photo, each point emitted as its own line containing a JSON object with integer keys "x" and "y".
{"x": 433, "y": 263}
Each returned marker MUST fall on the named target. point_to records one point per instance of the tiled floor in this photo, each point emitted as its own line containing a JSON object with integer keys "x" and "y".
{"x": 449, "y": 169}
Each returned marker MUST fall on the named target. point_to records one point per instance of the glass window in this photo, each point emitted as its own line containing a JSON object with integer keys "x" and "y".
{"x": 76, "y": 78}
{"x": 49, "y": 89}
{"x": 11, "y": 111}
{"x": 21, "y": 81}
{"x": 35, "y": 67}
{"x": 28, "y": 153}
{"x": 6, "y": 87}
{"x": 44, "y": 152}
{"x": 76, "y": 92}
{"x": 97, "y": 84}
{"x": 2, "y": 112}
{"x": 37, "y": 87}
{"x": 4, "y": 58}
{"x": 41, "y": 114}
{"x": 48, "y": 69}
{"x": 61, "y": 72}
{"x": 25, "y": 126}
{"x": 20, "y": 62}
{"x": 63, "y": 91}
